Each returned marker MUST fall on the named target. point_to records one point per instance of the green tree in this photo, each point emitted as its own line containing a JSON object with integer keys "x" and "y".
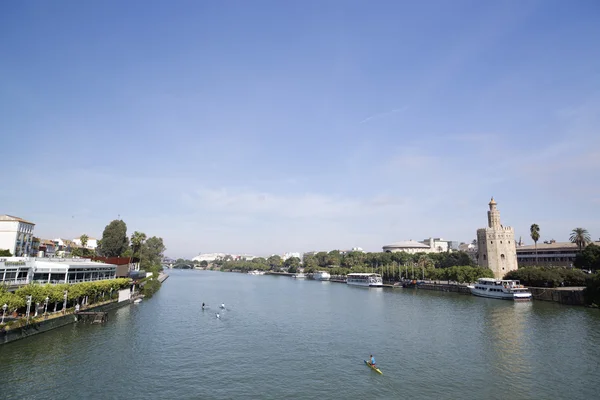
{"x": 589, "y": 258}
{"x": 292, "y": 262}
{"x": 5, "y": 253}
{"x": 534, "y": 230}
{"x": 204, "y": 263}
{"x": 152, "y": 253}
{"x": 580, "y": 237}
{"x": 334, "y": 258}
{"x": 114, "y": 239}
{"x": 309, "y": 260}
{"x": 84, "y": 240}
{"x": 274, "y": 262}
{"x": 137, "y": 239}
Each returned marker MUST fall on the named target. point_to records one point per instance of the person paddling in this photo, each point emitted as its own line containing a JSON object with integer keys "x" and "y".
{"x": 372, "y": 361}
{"x": 203, "y": 306}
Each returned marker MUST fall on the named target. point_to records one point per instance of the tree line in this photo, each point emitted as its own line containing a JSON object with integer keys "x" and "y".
{"x": 148, "y": 251}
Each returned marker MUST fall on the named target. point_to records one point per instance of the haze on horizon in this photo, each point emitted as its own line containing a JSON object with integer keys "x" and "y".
{"x": 264, "y": 127}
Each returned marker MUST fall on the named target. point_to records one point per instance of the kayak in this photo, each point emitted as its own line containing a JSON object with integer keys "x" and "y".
{"x": 373, "y": 368}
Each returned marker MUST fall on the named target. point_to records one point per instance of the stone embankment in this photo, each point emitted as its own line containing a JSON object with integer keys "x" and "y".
{"x": 564, "y": 295}
{"x": 52, "y": 322}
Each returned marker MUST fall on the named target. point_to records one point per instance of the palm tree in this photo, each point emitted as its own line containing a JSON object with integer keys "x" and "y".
{"x": 84, "y": 240}
{"x": 581, "y": 237}
{"x": 535, "y": 235}
{"x": 137, "y": 239}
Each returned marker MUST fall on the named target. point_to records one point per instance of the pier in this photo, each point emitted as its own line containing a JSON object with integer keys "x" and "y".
{"x": 95, "y": 317}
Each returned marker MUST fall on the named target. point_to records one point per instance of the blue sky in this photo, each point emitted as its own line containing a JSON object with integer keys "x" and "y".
{"x": 268, "y": 126}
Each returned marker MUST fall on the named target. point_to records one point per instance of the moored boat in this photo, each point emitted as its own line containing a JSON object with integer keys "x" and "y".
{"x": 256, "y": 272}
{"x": 364, "y": 279}
{"x": 299, "y": 275}
{"x": 504, "y": 289}
{"x": 321, "y": 276}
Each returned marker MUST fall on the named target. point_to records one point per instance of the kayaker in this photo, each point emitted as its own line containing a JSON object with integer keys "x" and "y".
{"x": 218, "y": 316}
{"x": 203, "y": 306}
{"x": 372, "y": 360}
{"x": 223, "y": 305}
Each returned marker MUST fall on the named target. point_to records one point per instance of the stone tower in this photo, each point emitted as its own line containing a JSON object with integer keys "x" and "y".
{"x": 496, "y": 248}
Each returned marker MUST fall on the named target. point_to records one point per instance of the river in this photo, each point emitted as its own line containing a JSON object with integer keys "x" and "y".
{"x": 281, "y": 338}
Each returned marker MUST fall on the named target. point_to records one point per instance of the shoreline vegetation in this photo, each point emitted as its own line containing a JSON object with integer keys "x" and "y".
{"x": 394, "y": 267}
{"x": 62, "y": 299}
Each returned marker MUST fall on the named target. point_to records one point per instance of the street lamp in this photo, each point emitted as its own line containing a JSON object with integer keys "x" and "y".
{"x": 4, "y": 307}
{"x": 28, "y": 306}
{"x": 65, "y": 303}
{"x": 46, "y": 306}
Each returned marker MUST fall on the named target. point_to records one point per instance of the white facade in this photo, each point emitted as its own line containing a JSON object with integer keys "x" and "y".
{"x": 408, "y": 246}
{"x": 23, "y": 270}
{"x": 16, "y": 235}
{"x": 91, "y": 244}
{"x": 496, "y": 245}
{"x": 209, "y": 257}
{"x": 290, "y": 255}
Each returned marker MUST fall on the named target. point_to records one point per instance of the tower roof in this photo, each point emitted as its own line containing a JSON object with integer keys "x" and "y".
{"x": 492, "y": 202}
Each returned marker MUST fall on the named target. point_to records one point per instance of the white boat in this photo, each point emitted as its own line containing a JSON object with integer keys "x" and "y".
{"x": 299, "y": 275}
{"x": 137, "y": 301}
{"x": 321, "y": 276}
{"x": 256, "y": 272}
{"x": 500, "y": 289}
{"x": 364, "y": 279}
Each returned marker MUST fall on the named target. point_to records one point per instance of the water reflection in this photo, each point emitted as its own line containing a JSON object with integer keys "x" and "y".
{"x": 505, "y": 331}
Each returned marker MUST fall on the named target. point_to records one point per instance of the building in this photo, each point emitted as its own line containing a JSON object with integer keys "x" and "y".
{"x": 549, "y": 254}
{"x": 24, "y": 270}
{"x": 92, "y": 243}
{"x": 408, "y": 246}
{"x": 431, "y": 245}
{"x": 470, "y": 249}
{"x": 290, "y": 255}
{"x": 16, "y": 235}
{"x": 47, "y": 248}
{"x": 496, "y": 248}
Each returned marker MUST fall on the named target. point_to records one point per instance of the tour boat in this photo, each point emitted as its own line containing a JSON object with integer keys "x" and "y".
{"x": 321, "y": 276}
{"x": 299, "y": 275}
{"x": 500, "y": 289}
{"x": 137, "y": 301}
{"x": 364, "y": 279}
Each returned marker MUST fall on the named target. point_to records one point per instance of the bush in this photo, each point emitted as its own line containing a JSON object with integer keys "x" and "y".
{"x": 548, "y": 276}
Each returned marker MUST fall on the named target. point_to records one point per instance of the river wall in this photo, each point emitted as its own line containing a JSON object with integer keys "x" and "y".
{"x": 565, "y": 295}
{"x": 43, "y": 326}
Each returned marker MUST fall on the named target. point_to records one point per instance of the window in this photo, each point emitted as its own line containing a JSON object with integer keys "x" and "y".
{"x": 502, "y": 257}
{"x": 501, "y": 242}
{"x": 491, "y": 242}
{"x": 484, "y": 257}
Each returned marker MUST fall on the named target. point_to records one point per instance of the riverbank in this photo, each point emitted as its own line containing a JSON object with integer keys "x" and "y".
{"x": 53, "y": 322}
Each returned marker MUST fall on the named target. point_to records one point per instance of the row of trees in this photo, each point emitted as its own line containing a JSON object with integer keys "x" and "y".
{"x": 115, "y": 243}
{"x": 55, "y": 293}
{"x": 354, "y": 260}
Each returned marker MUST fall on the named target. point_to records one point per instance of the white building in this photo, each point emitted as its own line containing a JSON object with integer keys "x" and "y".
{"x": 209, "y": 257}
{"x": 91, "y": 244}
{"x": 23, "y": 270}
{"x": 407, "y": 246}
{"x": 290, "y": 255}
{"x": 16, "y": 235}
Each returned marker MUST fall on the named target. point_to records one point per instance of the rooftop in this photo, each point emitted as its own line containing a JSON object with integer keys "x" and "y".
{"x": 551, "y": 246}
{"x": 7, "y": 217}
{"x": 407, "y": 244}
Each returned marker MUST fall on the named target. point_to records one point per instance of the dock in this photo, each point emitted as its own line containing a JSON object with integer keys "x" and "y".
{"x": 95, "y": 317}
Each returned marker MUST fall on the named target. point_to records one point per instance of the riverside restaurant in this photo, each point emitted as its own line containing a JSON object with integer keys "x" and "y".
{"x": 24, "y": 270}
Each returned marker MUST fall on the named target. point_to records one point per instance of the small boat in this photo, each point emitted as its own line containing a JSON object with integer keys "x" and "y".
{"x": 299, "y": 275}
{"x": 373, "y": 367}
{"x": 321, "y": 276}
{"x": 137, "y": 301}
